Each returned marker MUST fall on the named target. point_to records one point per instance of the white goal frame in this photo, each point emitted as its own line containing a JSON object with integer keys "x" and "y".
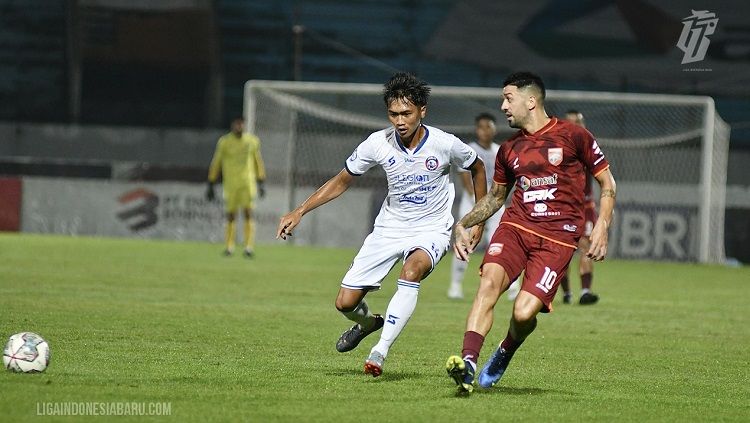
{"x": 712, "y": 179}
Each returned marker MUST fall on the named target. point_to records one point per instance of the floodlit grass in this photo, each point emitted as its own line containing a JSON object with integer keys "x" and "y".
{"x": 231, "y": 339}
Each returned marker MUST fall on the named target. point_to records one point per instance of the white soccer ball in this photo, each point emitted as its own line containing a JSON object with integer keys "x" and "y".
{"x": 26, "y": 352}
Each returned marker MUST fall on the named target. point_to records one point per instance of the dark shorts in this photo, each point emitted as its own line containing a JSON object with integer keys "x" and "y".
{"x": 544, "y": 261}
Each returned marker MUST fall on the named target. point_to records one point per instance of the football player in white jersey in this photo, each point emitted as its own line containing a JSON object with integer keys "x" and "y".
{"x": 414, "y": 223}
{"x": 486, "y": 149}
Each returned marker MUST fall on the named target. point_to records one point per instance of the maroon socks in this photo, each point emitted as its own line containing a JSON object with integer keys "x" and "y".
{"x": 565, "y": 284}
{"x": 509, "y": 344}
{"x": 472, "y": 345}
{"x": 586, "y": 280}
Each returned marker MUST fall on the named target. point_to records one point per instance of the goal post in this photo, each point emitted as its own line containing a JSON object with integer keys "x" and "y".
{"x": 668, "y": 154}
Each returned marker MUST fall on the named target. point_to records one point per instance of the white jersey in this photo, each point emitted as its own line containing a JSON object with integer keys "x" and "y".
{"x": 488, "y": 156}
{"x": 420, "y": 194}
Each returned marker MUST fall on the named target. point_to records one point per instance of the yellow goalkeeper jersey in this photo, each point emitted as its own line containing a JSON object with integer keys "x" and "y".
{"x": 239, "y": 161}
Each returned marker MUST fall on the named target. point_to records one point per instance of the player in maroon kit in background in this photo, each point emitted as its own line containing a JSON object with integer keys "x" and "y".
{"x": 548, "y": 160}
{"x": 585, "y": 264}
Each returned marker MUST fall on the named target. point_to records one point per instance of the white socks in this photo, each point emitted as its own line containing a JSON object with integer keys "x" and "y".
{"x": 361, "y": 314}
{"x": 458, "y": 268}
{"x": 400, "y": 309}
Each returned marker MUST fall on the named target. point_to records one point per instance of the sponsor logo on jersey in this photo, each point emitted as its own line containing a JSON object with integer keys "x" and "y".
{"x": 353, "y": 157}
{"x": 391, "y": 161}
{"x": 427, "y": 188}
{"x": 555, "y": 156}
{"x": 412, "y": 178}
{"x": 539, "y": 195}
{"x": 413, "y": 198}
{"x": 545, "y": 213}
{"x": 495, "y": 249}
{"x": 544, "y": 180}
{"x": 431, "y": 163}
{"x": 525, "y": 183}
{"x": 570, "y": 228}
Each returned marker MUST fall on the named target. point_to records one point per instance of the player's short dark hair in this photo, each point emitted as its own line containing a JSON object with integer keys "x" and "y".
{"x": 407, "y": 86}
{"x": 526, "y": 79}
{"x": 577, "y": 113}
{"x": 485, "y": 115}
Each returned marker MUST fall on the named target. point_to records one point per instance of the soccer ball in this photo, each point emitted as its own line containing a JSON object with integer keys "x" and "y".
{"x": 26, "y": 352}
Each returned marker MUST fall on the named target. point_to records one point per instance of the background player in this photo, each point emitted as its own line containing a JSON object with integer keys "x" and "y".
{"x": 237, "y": 158}
{"x": 547, "y": 159}
{"x": 585, "y": 264}
{"x": 414, "y": 221}
{"x": 486, "y": 149}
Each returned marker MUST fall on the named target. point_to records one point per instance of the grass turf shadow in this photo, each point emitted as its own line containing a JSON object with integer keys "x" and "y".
{"x": 510, "y": 390}
{"x": 386, "y": 376}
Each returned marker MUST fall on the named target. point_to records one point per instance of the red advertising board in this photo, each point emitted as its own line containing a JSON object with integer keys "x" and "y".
{"x": 10, "y": 204}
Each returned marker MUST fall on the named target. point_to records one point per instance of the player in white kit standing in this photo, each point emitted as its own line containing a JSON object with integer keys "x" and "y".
{"x": 486, "y": 149}
{"x": 415, "y": 221}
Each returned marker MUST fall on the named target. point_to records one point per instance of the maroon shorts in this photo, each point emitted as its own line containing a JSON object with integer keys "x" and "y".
{"x": 589, "y": 217}
{"x": 543, "y": 259}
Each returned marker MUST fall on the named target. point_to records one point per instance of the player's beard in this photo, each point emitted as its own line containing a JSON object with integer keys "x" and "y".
{"x": 516, "y": 122}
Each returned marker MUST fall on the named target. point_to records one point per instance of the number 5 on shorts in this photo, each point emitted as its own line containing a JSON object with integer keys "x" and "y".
{"x": 547, "y": 281}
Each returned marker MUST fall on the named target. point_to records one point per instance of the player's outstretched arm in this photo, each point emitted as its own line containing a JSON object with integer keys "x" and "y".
{"x": 486, "y": 207}
{"x": 327, "y": 192}
{"x": 600, "y": 233}
{"x": 479, "y": 187}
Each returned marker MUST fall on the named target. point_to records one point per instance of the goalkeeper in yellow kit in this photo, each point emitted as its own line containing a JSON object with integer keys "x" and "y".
{"x": 237, "y": 158}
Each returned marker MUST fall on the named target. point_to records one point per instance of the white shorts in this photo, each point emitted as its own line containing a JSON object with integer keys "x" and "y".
{"x": 490, "y": 226}
{"x": 379, "y": 253}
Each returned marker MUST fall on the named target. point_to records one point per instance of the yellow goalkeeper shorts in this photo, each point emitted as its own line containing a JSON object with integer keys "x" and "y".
{"x": 238, "y": 198}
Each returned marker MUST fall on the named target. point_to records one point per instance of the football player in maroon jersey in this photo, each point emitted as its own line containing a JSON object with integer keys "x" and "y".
{"x": 548, "y": 160}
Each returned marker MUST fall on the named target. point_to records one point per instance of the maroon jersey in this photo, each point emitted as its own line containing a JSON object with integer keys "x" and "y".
{"x": 588, "y": 195}
{"x": 549, "y": 169}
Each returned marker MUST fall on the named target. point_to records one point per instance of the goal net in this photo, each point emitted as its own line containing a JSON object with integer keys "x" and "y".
{"x": 668, "y": 154}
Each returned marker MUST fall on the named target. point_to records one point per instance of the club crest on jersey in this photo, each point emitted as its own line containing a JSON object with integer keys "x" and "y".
{"x": 495, "y": 249}
{"x": 431, "y": 163}
{"x": 555, "y": 156}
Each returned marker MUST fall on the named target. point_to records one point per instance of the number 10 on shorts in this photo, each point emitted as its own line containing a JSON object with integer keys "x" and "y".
{"x": 547, "y": 281}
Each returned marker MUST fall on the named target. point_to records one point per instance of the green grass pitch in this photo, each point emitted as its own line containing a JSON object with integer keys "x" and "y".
{"x": 230, "y": 339}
